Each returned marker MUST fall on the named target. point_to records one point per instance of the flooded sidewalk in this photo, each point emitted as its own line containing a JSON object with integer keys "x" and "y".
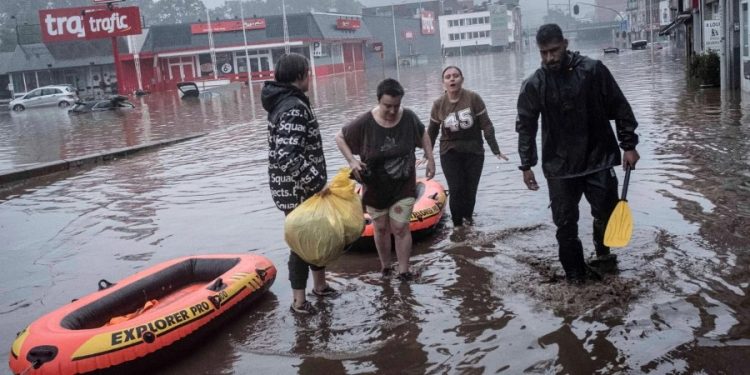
{"x": 489, "y": 298}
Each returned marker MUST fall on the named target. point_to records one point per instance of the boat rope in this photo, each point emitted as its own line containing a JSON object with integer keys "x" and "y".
{"x": 35, "y": 364}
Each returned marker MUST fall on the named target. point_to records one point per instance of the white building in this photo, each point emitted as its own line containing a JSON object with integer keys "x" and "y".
{"x": 465, "y": 31}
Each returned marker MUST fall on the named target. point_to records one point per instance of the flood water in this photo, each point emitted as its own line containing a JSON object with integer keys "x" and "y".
{"x": 487, "y": 300}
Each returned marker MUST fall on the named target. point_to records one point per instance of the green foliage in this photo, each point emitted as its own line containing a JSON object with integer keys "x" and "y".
{"x": 706, "y": 67}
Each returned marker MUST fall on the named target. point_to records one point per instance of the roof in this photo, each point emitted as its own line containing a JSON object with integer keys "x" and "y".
{"x": 163, "y": 38}
{"x": 39, "y": 56}
{"x": 5, "y": 58}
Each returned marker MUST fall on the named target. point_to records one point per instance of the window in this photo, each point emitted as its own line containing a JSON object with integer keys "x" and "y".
{"x": 486, "y": 19}
{"x": 745, "y": 20}
{"x": 461, "y": 22}
{"x": 34, "y": 94}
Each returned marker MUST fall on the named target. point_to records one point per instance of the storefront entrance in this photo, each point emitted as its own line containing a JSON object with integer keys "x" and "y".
{"x": 261, "y": 62}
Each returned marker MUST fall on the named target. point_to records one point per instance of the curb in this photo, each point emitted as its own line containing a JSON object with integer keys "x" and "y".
{"x": 21, "y": 174}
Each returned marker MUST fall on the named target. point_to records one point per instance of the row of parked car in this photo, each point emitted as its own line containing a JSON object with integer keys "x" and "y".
{"x": 64, "y": 96}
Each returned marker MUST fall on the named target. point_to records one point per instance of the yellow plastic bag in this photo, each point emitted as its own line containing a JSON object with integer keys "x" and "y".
{"x": 319, "y": 229}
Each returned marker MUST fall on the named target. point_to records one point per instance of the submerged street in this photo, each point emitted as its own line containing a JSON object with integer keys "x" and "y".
{"x": 489, "y": 298}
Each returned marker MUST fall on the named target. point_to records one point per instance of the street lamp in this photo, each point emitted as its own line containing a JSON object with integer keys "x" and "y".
{"x": 576, "y": 10}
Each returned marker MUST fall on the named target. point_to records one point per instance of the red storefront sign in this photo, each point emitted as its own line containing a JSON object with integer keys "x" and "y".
{"x": 231, "y": 25}
{"x": 347, "y": 24}
{"x": 428, "y": 22}
{"x": 88, "y": 23}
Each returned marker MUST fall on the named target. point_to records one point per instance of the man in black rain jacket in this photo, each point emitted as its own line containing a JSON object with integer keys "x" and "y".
{"x": 576, "y": 97}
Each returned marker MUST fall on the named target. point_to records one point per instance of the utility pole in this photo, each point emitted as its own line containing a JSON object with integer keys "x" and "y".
{"x": 651, "y": 28}
{"x": 287, "y": 49}
{"x": 247, "y": 55}
{"x": 395, "y": 41}
{"x": 211, "y": 48}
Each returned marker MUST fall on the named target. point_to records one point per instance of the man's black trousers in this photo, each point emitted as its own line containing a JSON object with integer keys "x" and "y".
{"x": 600, "y": 190}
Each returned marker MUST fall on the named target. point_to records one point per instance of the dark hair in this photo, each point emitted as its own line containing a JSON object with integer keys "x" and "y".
{"x": 390, "y": 86}
{"x": 452, "y": 67}
{"x": 549, "y": 33}
{"x": 291, "y": 67}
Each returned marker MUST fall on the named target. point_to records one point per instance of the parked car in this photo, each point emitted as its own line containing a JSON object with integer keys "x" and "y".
{"x": 62, "y": 96}
{"x": 639, "y": 44}
{"x": 114, "y": 103}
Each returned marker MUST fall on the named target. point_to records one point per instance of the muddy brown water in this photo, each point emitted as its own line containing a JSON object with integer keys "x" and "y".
{"x": 487, "y": 300}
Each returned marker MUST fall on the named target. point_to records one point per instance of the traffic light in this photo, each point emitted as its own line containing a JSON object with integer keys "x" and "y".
{"x": 575, "y": 9}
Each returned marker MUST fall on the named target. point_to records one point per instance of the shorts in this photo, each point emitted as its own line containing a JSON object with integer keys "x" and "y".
{"x": 399, "y": 211}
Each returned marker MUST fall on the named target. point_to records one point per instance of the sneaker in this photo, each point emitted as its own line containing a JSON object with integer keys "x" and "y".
{"x": 407, "y": 276}
{"x": 326, "y": 292}
{"x": 307, "y": 308}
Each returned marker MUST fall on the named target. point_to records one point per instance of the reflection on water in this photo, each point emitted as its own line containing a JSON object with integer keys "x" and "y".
{"x": 488, "y": 299}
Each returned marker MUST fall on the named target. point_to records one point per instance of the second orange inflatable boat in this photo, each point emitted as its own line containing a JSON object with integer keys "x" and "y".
{"x": 428, "y": 210}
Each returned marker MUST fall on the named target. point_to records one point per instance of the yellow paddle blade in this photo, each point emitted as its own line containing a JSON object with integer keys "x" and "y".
{"x": 620, "y": 226}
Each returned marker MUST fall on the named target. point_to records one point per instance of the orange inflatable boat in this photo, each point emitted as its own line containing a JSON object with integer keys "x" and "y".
{"x": 143, "y": 317}
{"x": 428, "y": 209}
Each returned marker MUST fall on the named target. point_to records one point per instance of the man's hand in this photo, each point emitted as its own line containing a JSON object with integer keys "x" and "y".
{"x": 629, "y": 158}
{"x": 501, "y": 156}
{"x": 529, "y": 180}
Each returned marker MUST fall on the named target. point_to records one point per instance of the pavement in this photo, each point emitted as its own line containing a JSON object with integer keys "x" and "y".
{"x": 20, "y": 175}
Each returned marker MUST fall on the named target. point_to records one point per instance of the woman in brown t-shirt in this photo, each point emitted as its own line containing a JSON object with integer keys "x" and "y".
{"x": 462, "y": 117}
{"x": 385, "y": 139}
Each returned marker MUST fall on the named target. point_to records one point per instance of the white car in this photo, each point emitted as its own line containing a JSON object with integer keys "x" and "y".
{"x": 62, "y": 96}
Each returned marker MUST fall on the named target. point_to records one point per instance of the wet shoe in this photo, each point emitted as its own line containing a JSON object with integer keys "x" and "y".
{"x": 407, "y": 277}
{"x": 386, "y": 273}
{"x": 604, "y": 263}
{"x": 326, "y": 292}
{"x": 592, "y": 274}
{"x": 307, "y": 308}
{"x": 583, "y": 275}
